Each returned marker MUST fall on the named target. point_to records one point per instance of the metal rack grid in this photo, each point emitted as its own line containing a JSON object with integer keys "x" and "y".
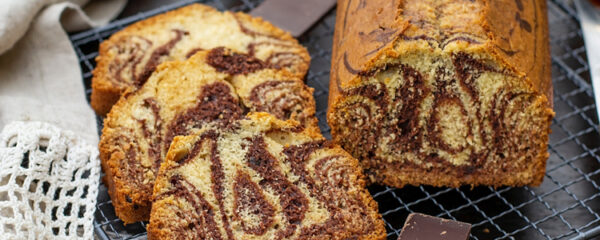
{"x": 565, "y": 206}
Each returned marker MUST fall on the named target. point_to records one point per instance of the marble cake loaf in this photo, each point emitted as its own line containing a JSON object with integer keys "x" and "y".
{"x": 443, "y": 93}
{"x": 127, "y": 58}
{"x": 180, "y": 96}
{"x": 261, "y": 178}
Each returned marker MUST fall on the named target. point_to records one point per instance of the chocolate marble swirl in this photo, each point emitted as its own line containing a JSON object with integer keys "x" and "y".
{"x": 136, "y": 58}
{"x": 146, "y": 147}
{"x": 132, "y": 57}
{"x": 407, "y": 125}
{"x": 262, "y": 199}
{"x": 138, "y": 135}
{"x": 284, "y": 99}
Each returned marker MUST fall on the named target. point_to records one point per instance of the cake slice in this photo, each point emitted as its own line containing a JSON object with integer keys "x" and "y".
{"x": 182, "y": 96}
{"x": 261, "y": 178}
{"x": 128, "y": 58}
{"x": 443, "y": 93}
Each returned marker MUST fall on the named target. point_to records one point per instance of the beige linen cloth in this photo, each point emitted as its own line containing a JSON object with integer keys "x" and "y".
{"x": 49, "y": 167}
{"x": 40, "y": 79}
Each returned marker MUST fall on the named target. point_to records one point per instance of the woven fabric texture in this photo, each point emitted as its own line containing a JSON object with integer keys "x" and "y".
{"x": 48, "y": 183}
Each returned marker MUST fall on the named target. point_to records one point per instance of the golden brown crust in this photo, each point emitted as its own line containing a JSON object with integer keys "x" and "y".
{"x": 522, "y": 43}
{"x": 525, "y": 51}
{"x": 125, "y": 209}
{"x": 261, "y": 179}
{"x": 443, "y": 93}
{"x": 128, "y": 57}
{"x": 178, "y": 98}
{"x": 103, "y": 97}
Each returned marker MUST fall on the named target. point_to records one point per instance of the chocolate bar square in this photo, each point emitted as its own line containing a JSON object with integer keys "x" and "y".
{"x": 424, "y": 227}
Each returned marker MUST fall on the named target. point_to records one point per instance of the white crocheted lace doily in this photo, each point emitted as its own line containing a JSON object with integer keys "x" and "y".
{"x": 48, "y": 183}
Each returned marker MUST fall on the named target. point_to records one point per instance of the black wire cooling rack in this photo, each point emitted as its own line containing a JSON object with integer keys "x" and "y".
{"x": 565, "y": 206}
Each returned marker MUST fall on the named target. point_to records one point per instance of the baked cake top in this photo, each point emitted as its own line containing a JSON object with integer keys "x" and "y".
{"x": 261, "y": 178}
{"x": 511, "y": 33}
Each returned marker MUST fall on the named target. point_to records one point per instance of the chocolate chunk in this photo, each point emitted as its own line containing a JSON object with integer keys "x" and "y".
{"x": 421, "y": 226}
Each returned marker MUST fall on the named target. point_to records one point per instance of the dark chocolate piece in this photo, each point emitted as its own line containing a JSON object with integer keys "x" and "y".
{"x": 421, "y": 227}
